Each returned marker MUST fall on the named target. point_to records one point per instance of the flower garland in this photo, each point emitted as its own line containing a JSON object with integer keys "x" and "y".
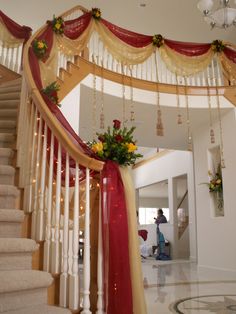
{"x": 157, "y": 40}
{"x": 116, "y": 144}
{"x": 217, "y": 45}
{"x": 51, "y": 92}
{"x": 96, "y": 13}
{"x": 58, "y": 25}
{"x": 40, "y": 48}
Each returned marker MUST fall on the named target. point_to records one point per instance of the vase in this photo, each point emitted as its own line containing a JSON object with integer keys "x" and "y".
{"x": 219, "y": 203}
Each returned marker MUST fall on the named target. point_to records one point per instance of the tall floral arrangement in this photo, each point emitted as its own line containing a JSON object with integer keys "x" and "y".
{"x": 215, "y": 183}
{"x": 116, "y": 144}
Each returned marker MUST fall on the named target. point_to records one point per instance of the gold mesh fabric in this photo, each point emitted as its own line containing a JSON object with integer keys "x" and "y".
{"x": 7, "y": 39}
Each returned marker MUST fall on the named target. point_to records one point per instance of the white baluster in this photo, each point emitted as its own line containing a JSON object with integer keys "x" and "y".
{"x": 100, "y": 306}
{"x": 74, "y": 277}
{"x": 2, "y": 54}
{"x": 64, "y": 276}
{"x": 55, "y": 267}
{"x": 6, "y": 60}
{"x": 47, "y": 244}
{"x": 16, "y": 67}
{"x": 86, "y": 301}
{"x": 36, "y": 179}
{"x": 40, "y": 230}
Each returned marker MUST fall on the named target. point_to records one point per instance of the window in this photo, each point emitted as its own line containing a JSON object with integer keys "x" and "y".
{"x": 147, "y": 215}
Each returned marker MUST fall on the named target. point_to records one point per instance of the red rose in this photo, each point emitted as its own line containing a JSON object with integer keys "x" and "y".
{"x": 116, "y": 124}
{"x": 119, "y": 138}
{"x": 101, "y": 138}
{"x": 53, "y": 93}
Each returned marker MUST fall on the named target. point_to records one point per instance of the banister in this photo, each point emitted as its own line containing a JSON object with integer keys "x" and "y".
{"x": 51, "y": 121}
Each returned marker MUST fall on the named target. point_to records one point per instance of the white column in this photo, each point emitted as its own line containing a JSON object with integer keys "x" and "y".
{"x": 173, "y": 203}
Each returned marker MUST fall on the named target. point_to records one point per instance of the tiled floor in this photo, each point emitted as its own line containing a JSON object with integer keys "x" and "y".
{"x": 182, "y": 287}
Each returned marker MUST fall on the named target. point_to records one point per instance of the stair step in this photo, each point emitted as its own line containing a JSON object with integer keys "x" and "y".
{"x": 8, "y": 196}
{"x": 9, "y": 104}
{"x": 11, "y": 95}
{"x": 25, "y": 288}
{"x": 6, "y": 155}
{"x": 7, "y": 140}
{"x": 16, "y": 253}
{"x": 7, "y": 126}
{"x": 7, "y": 174}
{"x": 8, "y": 113}
{"x": 11, "y": 223}
{"x": 10, "y": 89}
{"x": 40, "y": 309}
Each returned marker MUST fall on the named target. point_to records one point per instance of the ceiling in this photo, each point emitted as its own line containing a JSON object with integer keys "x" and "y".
{"x": 174, "y": 19}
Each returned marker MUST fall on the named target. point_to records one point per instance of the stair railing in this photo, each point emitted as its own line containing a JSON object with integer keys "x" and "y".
{"x": 51, "y": 165}
{"x": 12, "y": 38}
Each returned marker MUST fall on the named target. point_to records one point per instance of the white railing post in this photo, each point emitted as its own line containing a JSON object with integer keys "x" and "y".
{"x": 100, "y": 305}
{"x": 36, "y": 179}
{"x": 40, "y": 229}
{"x": 86, "y": 300}
{"x": 64, "y": 276}
{"x": 55, "y": 266}
{"x": 47, "y": 244}
{"x": 74, "y": 299}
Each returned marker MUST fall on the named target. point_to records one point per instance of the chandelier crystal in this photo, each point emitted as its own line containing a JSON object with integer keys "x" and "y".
{"x": 221, "y": 15}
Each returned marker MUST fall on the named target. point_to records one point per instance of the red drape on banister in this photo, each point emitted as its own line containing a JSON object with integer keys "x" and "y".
{"x": 74, "y": 28}
{"x": 130, "y": 38}
{"x": 117, "y": 278}
{"x": 188, "y": 49}
{"x": 18, "y": 31}
{"x": 230, "y": 54}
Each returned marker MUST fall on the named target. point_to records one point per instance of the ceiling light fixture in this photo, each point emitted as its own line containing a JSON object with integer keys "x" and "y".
{"x": 222, "y": 16}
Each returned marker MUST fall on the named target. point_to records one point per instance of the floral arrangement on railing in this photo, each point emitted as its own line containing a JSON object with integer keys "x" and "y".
{"x": 157, "y": 40}
{"x": 51, "y": 92}
{"x": 215, "y": 184}
{"x": 217, "y": 45}
{"x": 40, "y": 48}
{"x": 116, "y": 144}
{"x": 58, "y": 25}
{"x": 96, "y": 13}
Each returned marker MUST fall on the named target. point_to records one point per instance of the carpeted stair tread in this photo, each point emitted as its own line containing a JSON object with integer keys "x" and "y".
{"x": 7, "y": 137}
{"x": 7, "y": 170}
{"x": 13, "y": 280}
{"x": 11, "y": 215}
{"x": 6, "y": 189}
{"x": 6, "y": 152}
{"x": 7, "y": 124}
{"x": 8, "y": 113}
{"x": 40, "y": 309}
{"x": 9, "y": 104}
{"x": 12, "y": 95}
{"x": 17, "y": 245}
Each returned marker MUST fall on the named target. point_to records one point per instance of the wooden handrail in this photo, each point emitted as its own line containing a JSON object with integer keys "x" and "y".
{"x": 49, "y": 118}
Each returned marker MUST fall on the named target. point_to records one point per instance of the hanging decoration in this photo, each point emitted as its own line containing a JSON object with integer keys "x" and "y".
{"x": 94, "y": 99}
{"x": 102, "y": 116}
{"x": 179, "y": 116}
{"x": 188, "y": 117}
{"x": 40, "y": 48}
{"x": 159, "y": 124}
{"x": 217, "y": 45}
{"x": 157, "y": 40}
{"x": 58, "y": 25}
{"x": 96, "y": 13}
{"x": 51, "y": 92}
{"x": 132, "y": 115}
{"x": 212, "y": 134}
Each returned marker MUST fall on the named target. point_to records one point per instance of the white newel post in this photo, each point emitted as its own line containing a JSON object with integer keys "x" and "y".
{"x": 86, "y": 301}
{"x": 55, "y": 267}
{"x": 47, "y": 244}
{"x": 64, "y": 276}
{"x": 74, "y": 300}
{"x": 100, "y": 306}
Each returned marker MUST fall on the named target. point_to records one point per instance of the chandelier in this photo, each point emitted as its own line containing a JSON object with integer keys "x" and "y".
{"x": 221, "y": 16}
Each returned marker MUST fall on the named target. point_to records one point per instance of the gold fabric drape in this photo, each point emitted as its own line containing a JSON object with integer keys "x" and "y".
{"x": 184, "y": 65}
{"x": 139, "y": 304}
{"x": 7, "y": 39}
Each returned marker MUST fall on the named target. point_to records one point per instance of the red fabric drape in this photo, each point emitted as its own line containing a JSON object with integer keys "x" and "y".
{"x": 47, "y": 36}
{"x": 117, "y": 278}
{"x": 18, "y": 31}
{"x": 74, "y": 28}
{"x": 230, "y": 54}
{"x": 130, "y": 38}
{"x": 188, "y": 49}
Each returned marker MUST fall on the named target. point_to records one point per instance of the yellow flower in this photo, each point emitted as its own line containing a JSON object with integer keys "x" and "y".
{"x": 98, "y": 147}
{"x": 57, "y": 25}
{"x": 131, "y": 147}
{"x": 218, "y": 181}
{"x": 97, "y": 14}
{"x": 40, "y": 45}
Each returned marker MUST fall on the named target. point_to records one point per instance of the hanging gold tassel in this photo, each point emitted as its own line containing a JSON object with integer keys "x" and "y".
{"x": 159, "y": 124}
{"x": 179, "y": 117}
{"x": 132, "y": 115}
{"x": 102, "y": 116}
{"x": 212, "y": 136}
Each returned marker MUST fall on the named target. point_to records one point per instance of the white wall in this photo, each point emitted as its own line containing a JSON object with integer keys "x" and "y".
{"x": 216, "y": 235}
{"x": 172, "y": 165}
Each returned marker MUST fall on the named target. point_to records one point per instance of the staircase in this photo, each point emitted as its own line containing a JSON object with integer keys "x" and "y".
{"x": 22, "y": 290}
